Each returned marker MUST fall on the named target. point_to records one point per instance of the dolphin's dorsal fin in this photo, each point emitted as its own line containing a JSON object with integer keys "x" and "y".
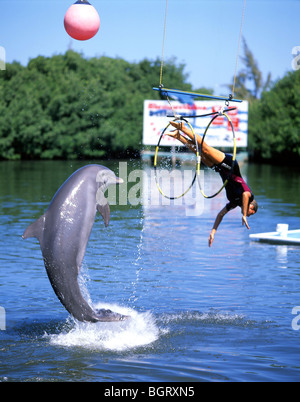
{"x": 35, "y": 229}
{"x": 104, "y": 211}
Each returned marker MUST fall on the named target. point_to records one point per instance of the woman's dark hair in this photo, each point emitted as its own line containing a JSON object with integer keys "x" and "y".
{"x": 254, "y": 204}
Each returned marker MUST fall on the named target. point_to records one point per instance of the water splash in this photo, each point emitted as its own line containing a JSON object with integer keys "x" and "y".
{"x": 212, "y": 318}
{"x": 138, "y": 264}
{"x": 139, "y": 330}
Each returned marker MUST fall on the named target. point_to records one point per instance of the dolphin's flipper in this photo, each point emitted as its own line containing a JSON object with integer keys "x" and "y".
{"x": 104, "y": 211}
{"x": 108, "y": 315}
{"x": 35, "y": 229}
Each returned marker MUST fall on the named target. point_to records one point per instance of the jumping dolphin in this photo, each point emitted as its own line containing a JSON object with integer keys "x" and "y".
{"x": 63, "y": 232}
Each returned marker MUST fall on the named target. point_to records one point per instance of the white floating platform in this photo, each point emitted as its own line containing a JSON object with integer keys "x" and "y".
{"x": 281, "y": 236}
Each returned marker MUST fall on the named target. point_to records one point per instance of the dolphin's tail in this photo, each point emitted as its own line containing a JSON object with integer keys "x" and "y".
{"x": 108, "y": 315}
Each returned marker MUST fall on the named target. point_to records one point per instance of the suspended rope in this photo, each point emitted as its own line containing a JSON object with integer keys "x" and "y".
{"x": 163, "y": 46}
{"x": 166, "y": 92}
{"x": 238, "y": 50}
{"x": 162, "y": 60}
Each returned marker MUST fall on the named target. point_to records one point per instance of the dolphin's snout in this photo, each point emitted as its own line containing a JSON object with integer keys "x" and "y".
{"x": 119, "y": 180}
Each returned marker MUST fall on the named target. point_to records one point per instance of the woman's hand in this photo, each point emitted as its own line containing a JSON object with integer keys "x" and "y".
{"x": 211, "y": 237}
{"x": 244, "y": 221}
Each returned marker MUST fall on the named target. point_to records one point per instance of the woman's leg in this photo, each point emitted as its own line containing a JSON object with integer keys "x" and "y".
{"x": 210, "y": 156}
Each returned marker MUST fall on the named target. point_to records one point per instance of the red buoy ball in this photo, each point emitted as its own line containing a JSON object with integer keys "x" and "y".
{"x": 82, "y": 20}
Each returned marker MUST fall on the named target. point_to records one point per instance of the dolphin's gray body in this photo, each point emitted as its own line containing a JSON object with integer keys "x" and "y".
{"x": 63, "y": 233}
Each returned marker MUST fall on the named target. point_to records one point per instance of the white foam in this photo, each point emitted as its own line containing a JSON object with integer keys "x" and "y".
{"x": 139, "y": 330}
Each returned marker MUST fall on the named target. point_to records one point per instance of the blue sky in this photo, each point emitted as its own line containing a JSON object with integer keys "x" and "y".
{"x": 203, "y": 34}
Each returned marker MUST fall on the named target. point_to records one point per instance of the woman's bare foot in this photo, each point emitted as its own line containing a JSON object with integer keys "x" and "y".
{"x": 174, "y": 134}
{"x": 179, "y": 125}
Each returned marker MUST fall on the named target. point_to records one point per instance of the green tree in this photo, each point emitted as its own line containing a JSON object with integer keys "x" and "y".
{"x": 249, "y": 82}
{"x": 70, "y": 107}
{"x": 274, "y": 122}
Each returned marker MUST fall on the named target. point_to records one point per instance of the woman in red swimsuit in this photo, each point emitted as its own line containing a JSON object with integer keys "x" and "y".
{"x": 237, "y": 191}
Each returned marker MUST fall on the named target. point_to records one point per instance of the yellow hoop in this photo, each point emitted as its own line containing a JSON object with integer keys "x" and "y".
{"x": 197, "y": 166}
